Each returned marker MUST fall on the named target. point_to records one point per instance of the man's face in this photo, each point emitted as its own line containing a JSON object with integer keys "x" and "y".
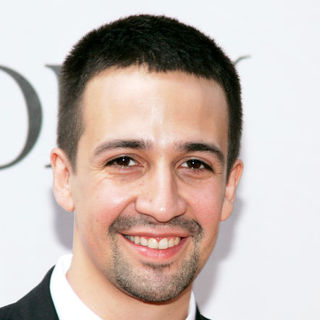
{"x": 150, "y": 184}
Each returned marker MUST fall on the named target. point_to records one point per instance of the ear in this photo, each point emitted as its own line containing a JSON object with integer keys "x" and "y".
{"x": 62, "y": 173}
{"x": 230, "y": 191}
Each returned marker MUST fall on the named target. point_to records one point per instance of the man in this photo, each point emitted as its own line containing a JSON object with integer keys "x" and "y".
{"x": 148, "y": 133}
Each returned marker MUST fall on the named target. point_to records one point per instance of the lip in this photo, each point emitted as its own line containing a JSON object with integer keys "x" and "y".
{"x": 155, "y": 255}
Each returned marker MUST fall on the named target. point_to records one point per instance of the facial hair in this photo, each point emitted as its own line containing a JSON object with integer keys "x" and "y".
{"x": 155, "y": 282}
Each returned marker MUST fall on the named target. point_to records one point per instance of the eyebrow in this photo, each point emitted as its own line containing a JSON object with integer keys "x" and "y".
{"x": 144, "y": 145}
{"x": 118, "y": 143}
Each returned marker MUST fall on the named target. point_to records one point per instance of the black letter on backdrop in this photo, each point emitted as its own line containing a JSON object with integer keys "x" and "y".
{"x": 240, "y": 59}
{"x": 34, "y": 114}
{"x": 56, "y": 69}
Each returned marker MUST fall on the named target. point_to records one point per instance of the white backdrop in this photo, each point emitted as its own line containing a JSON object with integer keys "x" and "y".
{"x": 266, "y": 264}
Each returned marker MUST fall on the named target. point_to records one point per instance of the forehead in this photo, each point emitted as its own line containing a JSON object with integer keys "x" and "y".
{"x": 119, "y": 103}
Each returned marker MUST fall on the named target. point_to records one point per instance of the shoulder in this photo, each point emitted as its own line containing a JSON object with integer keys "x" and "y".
{"x": 37, "y": 304}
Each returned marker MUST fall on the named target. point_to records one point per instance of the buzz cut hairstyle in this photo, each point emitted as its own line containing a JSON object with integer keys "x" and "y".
{"x": 160, "y": 44}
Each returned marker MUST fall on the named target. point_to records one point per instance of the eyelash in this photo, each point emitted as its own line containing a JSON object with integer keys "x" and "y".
{"x": 125, "y": 159}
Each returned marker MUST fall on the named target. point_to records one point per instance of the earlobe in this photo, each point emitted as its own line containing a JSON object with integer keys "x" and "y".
{"x": 230, "y": 191}
{"x": 62, "y": 172}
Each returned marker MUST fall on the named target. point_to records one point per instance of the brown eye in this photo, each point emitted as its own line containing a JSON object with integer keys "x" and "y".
{"x": 196, "y": 164}
{"x": 123, "y": 161}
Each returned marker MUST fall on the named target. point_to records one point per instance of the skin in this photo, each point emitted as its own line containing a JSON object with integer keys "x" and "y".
{"x": 161, "y": 181}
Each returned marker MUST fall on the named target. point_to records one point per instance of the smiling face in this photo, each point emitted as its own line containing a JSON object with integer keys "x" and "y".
{"x": 150, "y": 183}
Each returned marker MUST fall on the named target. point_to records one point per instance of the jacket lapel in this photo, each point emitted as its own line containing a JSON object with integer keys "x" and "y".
{"x": 36, "y": 305}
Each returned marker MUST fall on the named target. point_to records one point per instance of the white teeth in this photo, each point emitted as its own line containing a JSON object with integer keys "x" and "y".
{"x": 163, "y": 243}
{"x": 152, "y": 243}
{"x": 144, "y": 242}
{"x": 171, "y": 243}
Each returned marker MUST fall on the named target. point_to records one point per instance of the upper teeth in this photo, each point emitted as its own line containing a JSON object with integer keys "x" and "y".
{"x": 153, "y": 243}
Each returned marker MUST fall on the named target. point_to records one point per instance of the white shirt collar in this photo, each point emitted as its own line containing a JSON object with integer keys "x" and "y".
{"x": 69, "y": 306}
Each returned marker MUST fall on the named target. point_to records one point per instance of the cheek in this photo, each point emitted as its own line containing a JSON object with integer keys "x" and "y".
{"x": 206, "y": 203}
{"x": 97, "y": 207}
{"x": 206, "y": 206}
{"x": 108, "y": 202}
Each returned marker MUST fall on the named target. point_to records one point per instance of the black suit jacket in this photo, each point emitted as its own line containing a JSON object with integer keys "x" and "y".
{"x": 38, "y": 305}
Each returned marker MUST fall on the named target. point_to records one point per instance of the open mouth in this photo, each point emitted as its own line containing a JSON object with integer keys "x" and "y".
{"x": 154, "y": 243}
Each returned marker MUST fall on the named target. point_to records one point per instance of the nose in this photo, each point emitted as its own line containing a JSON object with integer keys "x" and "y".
{"x": 159, "y": 196}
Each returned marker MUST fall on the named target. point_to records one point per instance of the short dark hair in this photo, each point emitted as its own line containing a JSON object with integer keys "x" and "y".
{"x": 161, "y": 44}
